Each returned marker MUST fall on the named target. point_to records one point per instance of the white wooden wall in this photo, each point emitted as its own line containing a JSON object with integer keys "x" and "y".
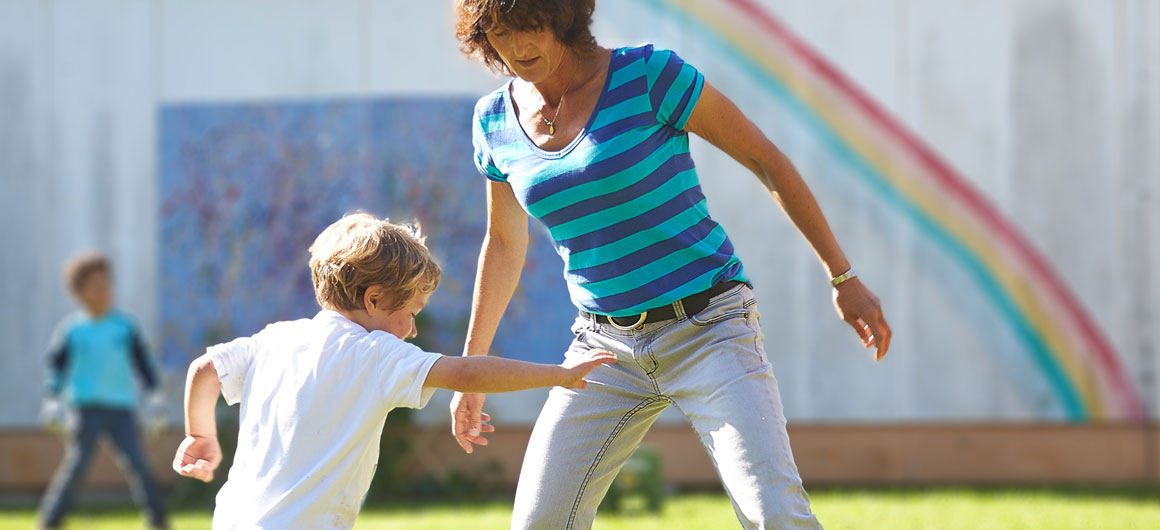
{"x": 1050, "y": 107}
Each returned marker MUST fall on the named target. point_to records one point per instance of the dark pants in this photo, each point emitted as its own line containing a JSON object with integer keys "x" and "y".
{"x": 121, "y": 427}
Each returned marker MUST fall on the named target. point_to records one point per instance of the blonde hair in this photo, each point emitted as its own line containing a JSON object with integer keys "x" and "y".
{"x": 360, "y": 251}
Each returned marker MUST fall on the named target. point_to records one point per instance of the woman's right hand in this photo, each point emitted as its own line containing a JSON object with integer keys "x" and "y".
{"x": 468, "y": 422}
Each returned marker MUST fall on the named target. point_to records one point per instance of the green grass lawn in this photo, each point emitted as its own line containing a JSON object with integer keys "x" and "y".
{"x": 889, "y": 509}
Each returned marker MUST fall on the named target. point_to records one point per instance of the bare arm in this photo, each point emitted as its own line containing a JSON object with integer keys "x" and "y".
{"x": 500, "y": 262}
{"x": 199, "y": 453}
{"x": 494, "y": 374}
{"x": 718, "y": 120}
{"x": 201, "y": 393}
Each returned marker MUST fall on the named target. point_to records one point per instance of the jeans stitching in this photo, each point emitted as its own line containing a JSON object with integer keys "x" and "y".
{"x": 668, "y": 324}
{"x": 745, "y": 303}
{"x": 604, "y": 448}
{"x": 758, "y": 336}
{"x": 730, "y": 315}
{"x": 656, "y": 366}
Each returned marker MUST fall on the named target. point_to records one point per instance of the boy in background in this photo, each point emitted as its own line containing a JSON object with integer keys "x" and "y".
{"x": 315, "y": 393}
{"x": 95, "y": 357}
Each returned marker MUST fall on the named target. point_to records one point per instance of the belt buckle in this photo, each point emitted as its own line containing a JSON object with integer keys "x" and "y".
{"x": 639, "y": 322}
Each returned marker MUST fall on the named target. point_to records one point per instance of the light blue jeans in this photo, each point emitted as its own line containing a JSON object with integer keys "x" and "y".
{"x": 713, "y": 367}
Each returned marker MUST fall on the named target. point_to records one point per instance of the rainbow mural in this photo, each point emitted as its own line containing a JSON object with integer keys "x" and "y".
{"x": 1077, "y": 362}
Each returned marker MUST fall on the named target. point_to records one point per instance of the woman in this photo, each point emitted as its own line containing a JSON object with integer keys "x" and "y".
{"x": 594, "y": 143}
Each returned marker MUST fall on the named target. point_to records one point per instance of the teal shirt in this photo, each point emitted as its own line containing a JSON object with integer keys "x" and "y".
{"x": 93, "y": 361}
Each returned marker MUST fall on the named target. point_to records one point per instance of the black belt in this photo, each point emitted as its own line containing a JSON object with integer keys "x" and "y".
{"x": 693, "y": 304}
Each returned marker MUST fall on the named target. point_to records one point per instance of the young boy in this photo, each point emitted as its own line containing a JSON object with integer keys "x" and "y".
{"x": 92, "y": 362}
{"x": 315, "y": 393}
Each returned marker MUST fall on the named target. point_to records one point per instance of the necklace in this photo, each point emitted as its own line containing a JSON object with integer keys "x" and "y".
{"x": 552, "y": 123}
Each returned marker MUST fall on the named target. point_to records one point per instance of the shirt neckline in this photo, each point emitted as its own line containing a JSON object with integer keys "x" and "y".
{"x": 85, "y": 316}
{"x": 554, "y": 155}
{"x": 335, "y": 316}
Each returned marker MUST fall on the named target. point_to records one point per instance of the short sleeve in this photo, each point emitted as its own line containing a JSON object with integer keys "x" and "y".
{"x": 402, "y": 369}
{"x": 483, "y": 160}
{"x": 674, "y": 87}
{"x": 232, "y": 361}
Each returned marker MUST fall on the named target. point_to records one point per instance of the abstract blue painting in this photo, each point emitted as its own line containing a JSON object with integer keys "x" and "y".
{"x": 246, "y": 187}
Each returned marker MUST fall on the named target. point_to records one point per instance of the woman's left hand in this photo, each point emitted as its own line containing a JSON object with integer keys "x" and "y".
{"x": 861, "y": 310}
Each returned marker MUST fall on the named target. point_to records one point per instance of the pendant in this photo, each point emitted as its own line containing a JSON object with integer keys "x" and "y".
{"x": 551, "y": 129}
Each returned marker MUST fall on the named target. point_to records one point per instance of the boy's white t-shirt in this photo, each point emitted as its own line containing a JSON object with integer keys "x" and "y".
{"x": 314, "y": 397}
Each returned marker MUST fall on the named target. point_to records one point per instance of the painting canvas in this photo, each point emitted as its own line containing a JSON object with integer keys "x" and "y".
{"x": 246, "y": 187}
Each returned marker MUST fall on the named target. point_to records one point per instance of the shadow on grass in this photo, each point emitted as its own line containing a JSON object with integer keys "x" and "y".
{"x": 1140, "y": 492}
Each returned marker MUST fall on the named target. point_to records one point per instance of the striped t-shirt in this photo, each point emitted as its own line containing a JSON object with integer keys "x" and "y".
{"x": 622, "y": 201}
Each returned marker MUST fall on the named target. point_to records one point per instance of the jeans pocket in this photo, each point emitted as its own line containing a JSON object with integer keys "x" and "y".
{"x": 700, "y": 319}
{"x": 728, "y": 307}
{"x": 733, "y": 339}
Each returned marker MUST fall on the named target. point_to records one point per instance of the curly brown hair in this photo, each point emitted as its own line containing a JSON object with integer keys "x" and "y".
{"x": 78, "y": 270}
{"x": 569, "y": 20}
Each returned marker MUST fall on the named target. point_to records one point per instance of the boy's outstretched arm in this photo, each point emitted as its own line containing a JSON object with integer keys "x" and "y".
{"x": 199, "y": 453}
{"x": 483, "y": 374}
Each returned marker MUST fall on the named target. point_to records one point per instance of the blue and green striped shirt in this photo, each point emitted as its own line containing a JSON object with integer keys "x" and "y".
{"x": 622, "y": 201}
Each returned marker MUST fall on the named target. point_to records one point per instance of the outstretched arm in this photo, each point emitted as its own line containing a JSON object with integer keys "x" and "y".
{"x": 494, "y": 374}
{"x": 716, "y": 119}
{"x": 58, "y": 359}
{"x": 199, "y": 453}
{"x": 53, "y": 412}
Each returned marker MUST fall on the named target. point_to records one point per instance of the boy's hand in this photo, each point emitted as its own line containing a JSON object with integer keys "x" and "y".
{"x": 578, "y": 366}
{"x": 197, "y": 457}
{"x": 55, "y": 416}
{"x": 154, "y": 414}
